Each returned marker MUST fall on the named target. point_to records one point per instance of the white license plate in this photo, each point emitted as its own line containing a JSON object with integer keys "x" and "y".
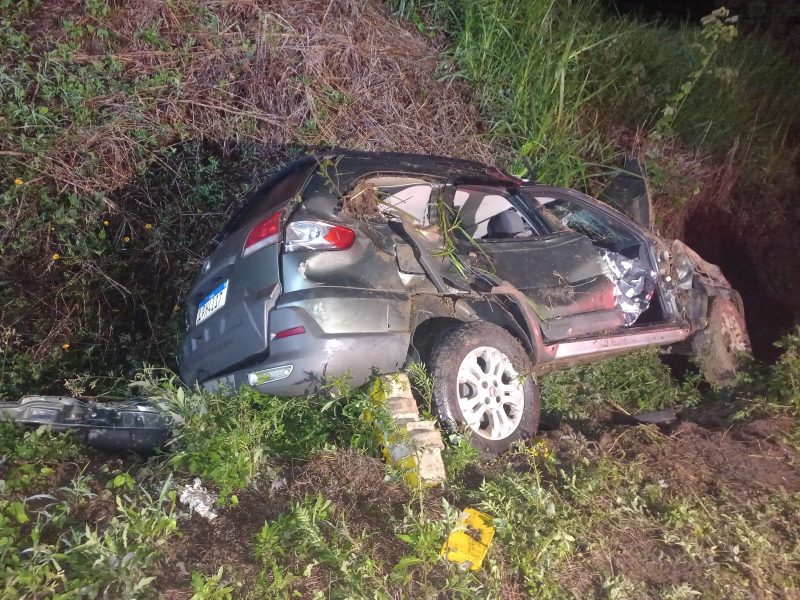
{"x": 212, "y": 302}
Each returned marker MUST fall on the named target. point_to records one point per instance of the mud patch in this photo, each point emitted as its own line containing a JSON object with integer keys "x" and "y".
{"x": 361, "y": 202}
{"x": 206, "y": 546}
{"x": 741, "y": 459}
{"x": 642, "y": 557}
{"x": 357, "y": 486}
{"x": 695, "y": 490}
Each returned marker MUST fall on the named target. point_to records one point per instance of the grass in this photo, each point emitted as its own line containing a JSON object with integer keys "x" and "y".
{"x": 583, "y": 512}
{"x": 129, "y": 134}
{"x": 618, "y": 382}
{"x": 555, "y": 78}
{"x": 531, "y": 65}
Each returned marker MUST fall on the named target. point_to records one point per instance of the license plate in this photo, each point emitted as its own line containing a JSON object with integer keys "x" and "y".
{"x": 212, "y": 302}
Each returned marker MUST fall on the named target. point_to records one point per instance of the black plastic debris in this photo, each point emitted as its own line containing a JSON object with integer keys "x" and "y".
{"x": 135, "y": 425}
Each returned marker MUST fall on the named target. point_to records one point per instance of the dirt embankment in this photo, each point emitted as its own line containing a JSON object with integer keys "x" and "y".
{"x": 172, "y": 100}
{"x": 309, "y": 72}
{"x": 748, "y": 230}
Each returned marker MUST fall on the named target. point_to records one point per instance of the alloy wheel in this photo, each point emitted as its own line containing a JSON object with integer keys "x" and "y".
{"x": 490, "y": 393}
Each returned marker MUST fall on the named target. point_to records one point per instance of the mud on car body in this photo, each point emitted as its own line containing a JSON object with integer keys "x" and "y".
{"x": 350, "y": 263}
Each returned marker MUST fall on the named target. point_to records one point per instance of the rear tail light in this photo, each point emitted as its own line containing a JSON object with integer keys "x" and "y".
{"x": 264, "y": 234}
{"x": 318, "y": 235}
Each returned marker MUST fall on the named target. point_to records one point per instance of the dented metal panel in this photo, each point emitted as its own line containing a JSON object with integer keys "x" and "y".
{"x": 563, "y": 279}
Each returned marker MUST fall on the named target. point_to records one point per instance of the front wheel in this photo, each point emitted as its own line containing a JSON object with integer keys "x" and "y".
{"x": 719, "y": 346}
{"x": 483, "y": 387}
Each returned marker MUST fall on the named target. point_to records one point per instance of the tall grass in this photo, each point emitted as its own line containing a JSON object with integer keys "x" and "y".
{"x": 554, "y": 77}
{"x": 534, "y": 67}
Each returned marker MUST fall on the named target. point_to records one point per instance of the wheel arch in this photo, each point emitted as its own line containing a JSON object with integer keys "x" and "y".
{"x": 434, "y": 316}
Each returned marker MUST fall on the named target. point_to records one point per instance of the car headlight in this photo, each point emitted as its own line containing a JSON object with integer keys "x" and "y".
{"x": 684, "y": 269}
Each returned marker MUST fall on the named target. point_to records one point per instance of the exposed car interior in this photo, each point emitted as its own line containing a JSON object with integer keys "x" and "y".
{"x": 408, "y": 195}
{"x": 607, "y": 235}
{"x": 484, "y": 214}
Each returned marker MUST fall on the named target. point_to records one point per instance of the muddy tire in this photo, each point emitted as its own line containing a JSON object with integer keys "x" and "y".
{"x": 482, "y": 387}
{"x": 719, "y": 346}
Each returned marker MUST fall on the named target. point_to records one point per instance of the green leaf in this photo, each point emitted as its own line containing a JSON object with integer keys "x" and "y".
{"x": 18, "y": 510}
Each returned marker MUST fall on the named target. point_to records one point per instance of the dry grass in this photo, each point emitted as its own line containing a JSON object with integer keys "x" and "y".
{"x": 314, "y": 72}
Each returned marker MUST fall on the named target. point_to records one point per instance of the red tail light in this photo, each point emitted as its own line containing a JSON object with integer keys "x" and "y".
{"x": 341, "y": 237}
{"x": 318, "y": 235}
{"x": 263, "y": 234}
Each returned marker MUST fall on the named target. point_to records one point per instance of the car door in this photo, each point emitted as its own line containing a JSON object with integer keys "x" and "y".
{"x": 558, "y": 270}
{"x": 625, "y": 248}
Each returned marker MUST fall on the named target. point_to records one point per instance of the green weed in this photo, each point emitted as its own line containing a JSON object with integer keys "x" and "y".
{"x": 552, "y": 77}
{"x": 307, "y": 539}
{"x": 633, "y": 383}
{"x": 45, "y": 553}
{"x": 210, "y": 587}
{"x": 227, "y": 438}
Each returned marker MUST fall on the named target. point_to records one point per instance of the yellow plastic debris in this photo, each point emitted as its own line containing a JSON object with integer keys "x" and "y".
{"x": 469, "y": 542}
{"x": 413, "y": 445}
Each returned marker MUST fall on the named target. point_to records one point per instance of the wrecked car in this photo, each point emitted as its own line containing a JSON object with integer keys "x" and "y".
{"x": 350, "y": 263}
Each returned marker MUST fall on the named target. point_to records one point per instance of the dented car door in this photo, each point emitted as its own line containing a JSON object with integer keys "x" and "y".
{"x": 559, "y": 271}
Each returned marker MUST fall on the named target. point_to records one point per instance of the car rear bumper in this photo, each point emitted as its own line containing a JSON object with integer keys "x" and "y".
{"x": 303, "y": 363}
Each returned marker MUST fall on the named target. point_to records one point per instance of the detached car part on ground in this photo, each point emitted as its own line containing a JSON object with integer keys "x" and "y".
{"x": 136, "y": 425}
{"x": 350, "y": 263}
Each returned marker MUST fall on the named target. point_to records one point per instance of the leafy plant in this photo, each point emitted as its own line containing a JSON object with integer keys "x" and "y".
{"x": 718, "y": 29}
{"x": 210, "y": 587}
{"x": 633, "y": 383}
{"x": 316, "y": 541}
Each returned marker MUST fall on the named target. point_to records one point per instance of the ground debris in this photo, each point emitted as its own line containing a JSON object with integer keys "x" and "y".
{"x": 658, "y": 417}
{"x": 361, "y": 202}
{"x": 199, "y": 499}
{"x": 469, "y": 541}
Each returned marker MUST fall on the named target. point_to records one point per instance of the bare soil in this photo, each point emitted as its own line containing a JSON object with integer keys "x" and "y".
{"x": 744, "y": 460}
{"x": 726, "y": 467}
{"x": 355, "y": 484}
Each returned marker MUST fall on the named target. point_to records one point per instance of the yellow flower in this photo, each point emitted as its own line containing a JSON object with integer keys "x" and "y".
{"x": 56, "y": 256}
{"x": 105, "y": 223}
{"x": 148, "y": 226}
{"x": 126, "y": 239}
{"x": 65, "y": 346}
{"x": 19, "y": 181}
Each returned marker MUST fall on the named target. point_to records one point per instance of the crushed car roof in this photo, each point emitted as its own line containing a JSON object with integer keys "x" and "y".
{"x": 352, "y": 164}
